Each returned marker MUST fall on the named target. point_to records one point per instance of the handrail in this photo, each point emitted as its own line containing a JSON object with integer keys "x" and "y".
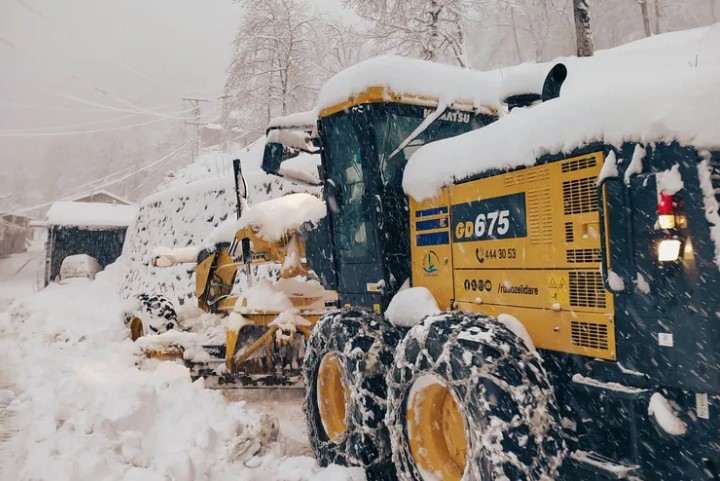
{"x": 605, "y": 269}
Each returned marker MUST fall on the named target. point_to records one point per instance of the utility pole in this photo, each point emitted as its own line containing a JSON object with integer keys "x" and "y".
{"x": 195, "y": 104}
{"x": 224, "y": 120}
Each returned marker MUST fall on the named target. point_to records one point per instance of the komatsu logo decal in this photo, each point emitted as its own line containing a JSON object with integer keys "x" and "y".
{"x": 490, "y": 219}
{"x": 450, "y": 116}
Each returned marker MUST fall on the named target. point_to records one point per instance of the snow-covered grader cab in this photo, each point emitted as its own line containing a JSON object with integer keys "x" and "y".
{"x": 550, "y": 281}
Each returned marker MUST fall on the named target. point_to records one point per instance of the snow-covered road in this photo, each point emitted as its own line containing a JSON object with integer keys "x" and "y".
{"x": 78, "y": 402}
{"x": 7, "y": 424}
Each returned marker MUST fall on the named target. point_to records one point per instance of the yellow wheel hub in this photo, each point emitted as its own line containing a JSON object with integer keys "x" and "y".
{"x": 436, "y": 432}
{"x": 331, "y": 396}
{"x": 136, "y": 328}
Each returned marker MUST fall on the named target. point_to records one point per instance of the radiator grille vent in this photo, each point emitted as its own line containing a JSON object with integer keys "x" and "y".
{"x": 580, "y": 195}
{"x": 576, "y": 256}
{"x": 590, "y": 334}
{"x": 586, "y": 289}
{"x": 569, "y": 235}
{"x": 578, "y": 164}
{"x": 539, "y": 219}
{"x": 525, "y": 176}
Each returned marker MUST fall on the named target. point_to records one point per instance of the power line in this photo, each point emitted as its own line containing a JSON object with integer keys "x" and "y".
{"x": 67, "y": 109}
{"x": 71, "y": 126}
{"x": 78, "y": 132}
{"x": 8, "y": 43}
{"x": 135, "y": 109}
{"x": 106, "y": 184}
{"x": 118, "y": 172}
{"x": 150, "y": 176}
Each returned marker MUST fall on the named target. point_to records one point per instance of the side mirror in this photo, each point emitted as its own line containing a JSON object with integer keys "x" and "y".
{"x": 241, "y": 187}
{"x": 273, "y": 156}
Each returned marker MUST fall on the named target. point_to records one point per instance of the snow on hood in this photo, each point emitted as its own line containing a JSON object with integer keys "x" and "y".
{"x": 263, "y": 296}
{"x": 272, "y": 219}
{"x": 412, "y": 76}
{"x": 91, "y": 214}
{"x": 660, "y": 89}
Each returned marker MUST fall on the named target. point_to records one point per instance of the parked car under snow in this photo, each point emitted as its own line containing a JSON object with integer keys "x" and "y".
{"x": 79, "y": 266}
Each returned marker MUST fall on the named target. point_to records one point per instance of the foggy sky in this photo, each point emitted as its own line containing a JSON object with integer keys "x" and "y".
{"x": 147, "y": 53}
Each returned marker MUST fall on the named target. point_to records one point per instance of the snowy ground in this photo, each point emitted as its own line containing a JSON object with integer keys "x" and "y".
{"x": 78, "y": 403}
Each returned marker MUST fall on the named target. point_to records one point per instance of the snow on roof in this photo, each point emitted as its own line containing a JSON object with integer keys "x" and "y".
{"x": 95, "y": 193}
{"x": 413, "y": 77}
{"x": 90, "y": 214}
{"x": 297, "y": 119}
{"x": 659, "y": 89}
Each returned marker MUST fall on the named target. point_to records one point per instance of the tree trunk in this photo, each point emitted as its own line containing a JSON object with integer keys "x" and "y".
{"x": 429, "y": 51}
{"x": 583, "y": 31}
{"x": 646, "y": 17}
{"x": 656, "y": 16}
{"x": 461, "y": 47}
{"x": 514, "y": 35}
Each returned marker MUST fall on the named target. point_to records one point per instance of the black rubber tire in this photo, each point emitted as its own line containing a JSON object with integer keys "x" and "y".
{"x": 364, "y": 344}
{"x": 156, "y": 311}
{"x": 481, "y": 362}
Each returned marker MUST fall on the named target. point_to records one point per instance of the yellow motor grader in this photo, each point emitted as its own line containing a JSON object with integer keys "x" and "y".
{"x": 563, "y": 315}
{"x": 267, "y": 325}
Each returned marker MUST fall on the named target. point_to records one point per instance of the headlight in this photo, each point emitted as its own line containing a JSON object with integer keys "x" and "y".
{"x": 668, "y": 250}
{"x": 666, "y": 221}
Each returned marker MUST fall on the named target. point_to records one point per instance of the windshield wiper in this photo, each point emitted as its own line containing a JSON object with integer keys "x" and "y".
{"x": 426, "y": 122}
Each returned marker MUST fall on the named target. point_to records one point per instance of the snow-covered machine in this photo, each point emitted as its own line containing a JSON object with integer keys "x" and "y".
{"x": 563, "y": 315}
{"x": 268, "y": 323}
{"x": 533, "y": 295}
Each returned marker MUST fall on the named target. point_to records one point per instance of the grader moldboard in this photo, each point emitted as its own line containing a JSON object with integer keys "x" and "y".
{"x": 579, "y": 337}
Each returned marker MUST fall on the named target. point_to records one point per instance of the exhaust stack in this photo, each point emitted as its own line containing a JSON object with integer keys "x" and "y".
{"x": 550, "y": 89}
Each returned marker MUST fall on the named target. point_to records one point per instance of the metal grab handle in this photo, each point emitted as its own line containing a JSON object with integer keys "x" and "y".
{"x": 605, "y": 270}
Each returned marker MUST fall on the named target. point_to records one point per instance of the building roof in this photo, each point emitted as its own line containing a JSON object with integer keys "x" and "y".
{"x": 101, "y": 192}
{"x": 90, "y": 214}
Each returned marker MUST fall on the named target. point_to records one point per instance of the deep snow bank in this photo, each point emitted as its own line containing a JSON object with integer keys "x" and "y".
{"x": 86, "y": 406}
{"x": 84, "y": 411}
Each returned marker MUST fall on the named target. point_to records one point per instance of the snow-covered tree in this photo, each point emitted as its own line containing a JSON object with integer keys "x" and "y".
{"x": 430, "y": 29}
{"x": 272, "y": 70}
